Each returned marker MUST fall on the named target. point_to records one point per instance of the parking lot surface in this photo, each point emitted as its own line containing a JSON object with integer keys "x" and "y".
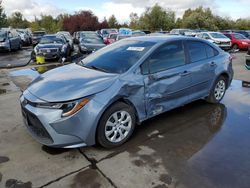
{"x": 197, "y": 145}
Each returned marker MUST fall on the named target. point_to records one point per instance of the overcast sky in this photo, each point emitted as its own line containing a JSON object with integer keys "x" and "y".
{"x": 122, "y": 8}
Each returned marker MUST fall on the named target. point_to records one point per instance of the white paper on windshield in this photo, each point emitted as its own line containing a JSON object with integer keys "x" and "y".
{"x": 138, "y": 49}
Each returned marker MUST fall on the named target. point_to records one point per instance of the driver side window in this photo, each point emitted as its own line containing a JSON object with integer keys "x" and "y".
{"x": 168, "y": 56}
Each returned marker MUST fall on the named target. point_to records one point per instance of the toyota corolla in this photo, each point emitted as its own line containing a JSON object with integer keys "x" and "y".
{"x": 102, "y": 98}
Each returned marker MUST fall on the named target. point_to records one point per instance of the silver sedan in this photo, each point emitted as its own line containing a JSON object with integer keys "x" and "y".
{"x": 102, "y": 98}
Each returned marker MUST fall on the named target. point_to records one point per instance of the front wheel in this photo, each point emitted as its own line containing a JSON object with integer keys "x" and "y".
{"x": 235, "y": 47}
{"x": 218, "y": 91}
{"x": 116, "y": 125}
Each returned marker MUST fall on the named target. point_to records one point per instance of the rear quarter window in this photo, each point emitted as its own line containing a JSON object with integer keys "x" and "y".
{"x": 199, "y": 51}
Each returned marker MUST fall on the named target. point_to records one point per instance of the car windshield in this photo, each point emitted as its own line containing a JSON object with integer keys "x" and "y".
{"x": 120, "y": 37}
{"x": 38, "y": 34}
{"x": 51, "y": 39}
{"x": 93, "y": 40}
{"x": 3, "y": 34}
{"x": 108, "y": 31}
{"x": 118, "y": 57}
{"x": 239, "y": 36}
{"x": 218, "y": 35}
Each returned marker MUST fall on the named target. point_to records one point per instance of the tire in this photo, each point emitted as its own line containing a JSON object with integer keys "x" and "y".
{"x": 235, "y": 47}
{"x": 218, "y": 90}
{"x": 20, "y": 46}
{"x": 112, "y": 133}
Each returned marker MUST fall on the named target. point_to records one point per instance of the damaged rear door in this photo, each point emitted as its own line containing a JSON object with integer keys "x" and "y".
{"x": 167, "y": 78}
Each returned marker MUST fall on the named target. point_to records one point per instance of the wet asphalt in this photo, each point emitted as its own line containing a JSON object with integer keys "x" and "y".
{"x": 197, "y": 145}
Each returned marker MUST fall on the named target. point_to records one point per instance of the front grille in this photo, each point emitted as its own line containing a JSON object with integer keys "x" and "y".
{"x": 36, "y": 127}
{"x": 225, "y": 43}
{"x": 49, "y": 50}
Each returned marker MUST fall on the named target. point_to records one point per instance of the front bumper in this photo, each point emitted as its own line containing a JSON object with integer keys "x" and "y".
{"x": 55, "y": 55}
{"x": 225, "y": 47}
{"x": 50, "y": 129}
{"x": 4, "y": 47}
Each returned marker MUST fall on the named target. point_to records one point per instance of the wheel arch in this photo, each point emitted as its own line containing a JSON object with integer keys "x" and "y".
{"x": 122, "y": 99}
{"x": 226, "y": 76}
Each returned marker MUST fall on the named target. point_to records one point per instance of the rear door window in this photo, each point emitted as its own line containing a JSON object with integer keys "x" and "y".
{"x": 197, "y": 51}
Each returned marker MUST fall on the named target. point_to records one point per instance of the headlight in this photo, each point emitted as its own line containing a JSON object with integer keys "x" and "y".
{"x": 217, "y": 42}
{"x": 68, "y": 109}
{"x": 35, "y": 50}
{"x": 83, "y": 47}
{"x": 244, "y": 43}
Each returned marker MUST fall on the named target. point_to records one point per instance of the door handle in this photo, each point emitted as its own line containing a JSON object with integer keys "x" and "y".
{"x": 185, "y": 73}
{"x": 212, "y": 64}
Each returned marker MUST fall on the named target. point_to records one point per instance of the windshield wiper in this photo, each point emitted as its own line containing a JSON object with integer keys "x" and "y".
{"x": 97, "y": 68}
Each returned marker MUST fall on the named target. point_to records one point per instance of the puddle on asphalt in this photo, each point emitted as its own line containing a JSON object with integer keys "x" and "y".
{"x": 33, "y": 72}
{"x": 2, "y": 91}
{"x": 201, "y": 144}
{"x": 22, "y": 78}
{"x": 87, "y": 178}
{"x": 4, "y": 159}
{"x": 13, "y": 183}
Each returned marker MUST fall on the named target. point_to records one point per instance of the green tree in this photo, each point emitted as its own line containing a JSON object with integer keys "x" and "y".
{"x": 157, "y": 18}
{"x": 18, "y": 21}
{"x": 112, "y": 21}
{"x": 199, "y": 18}
{"x": 3, "y": 17}
{"x": 134, "y": 21}
{"x": 243, "y": 24}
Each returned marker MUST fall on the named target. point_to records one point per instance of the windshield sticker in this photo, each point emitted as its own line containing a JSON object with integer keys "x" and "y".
{"x": 138, "y": 49}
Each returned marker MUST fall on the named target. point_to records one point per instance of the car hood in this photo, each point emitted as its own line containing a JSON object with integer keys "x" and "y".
{"x": 52, "y": 45}
{"x": 245, "y": 40}
{"x": 70, "y": 82}
{"x": 93, "y": 45}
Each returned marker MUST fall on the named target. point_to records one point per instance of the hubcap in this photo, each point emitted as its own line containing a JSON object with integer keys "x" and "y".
{"x": 118, "y": 126}
{"x": 219, "y": 90}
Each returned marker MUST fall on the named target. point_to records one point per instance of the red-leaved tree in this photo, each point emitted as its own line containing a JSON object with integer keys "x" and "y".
{"x": 81, "y": 21}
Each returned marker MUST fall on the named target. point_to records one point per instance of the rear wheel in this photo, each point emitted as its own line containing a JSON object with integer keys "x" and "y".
{"x": 218, "y": 90}
{"x": 116, "y": 125}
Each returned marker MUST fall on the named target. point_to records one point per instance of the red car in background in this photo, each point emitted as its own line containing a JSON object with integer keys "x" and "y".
{"x": 238, "y": 41}
{"x": 111, "y": 38}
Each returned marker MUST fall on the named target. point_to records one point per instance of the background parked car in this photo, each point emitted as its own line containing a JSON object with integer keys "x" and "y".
{"x": 138, "y": 33}
{"x": 238, "y": 40}
{"x": 245, "y": 33}
{"x": 217, "y": 38}
{"x": 105, "y": 32}
{"x": 52, "y": 47}
{"x": 36, "y": 37}
{"x": 111, "y": 38}
{"x": 90, "y": 41}
{"x": 248, "y": 59}
{"x": 25, "y": 36}
{"x": 9, "y": 40}
{"x": 179, "y": 31}
{"x": 68, "y": 37}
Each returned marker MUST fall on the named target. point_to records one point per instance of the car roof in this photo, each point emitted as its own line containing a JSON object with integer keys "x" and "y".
{"x": 158, "y": 39}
